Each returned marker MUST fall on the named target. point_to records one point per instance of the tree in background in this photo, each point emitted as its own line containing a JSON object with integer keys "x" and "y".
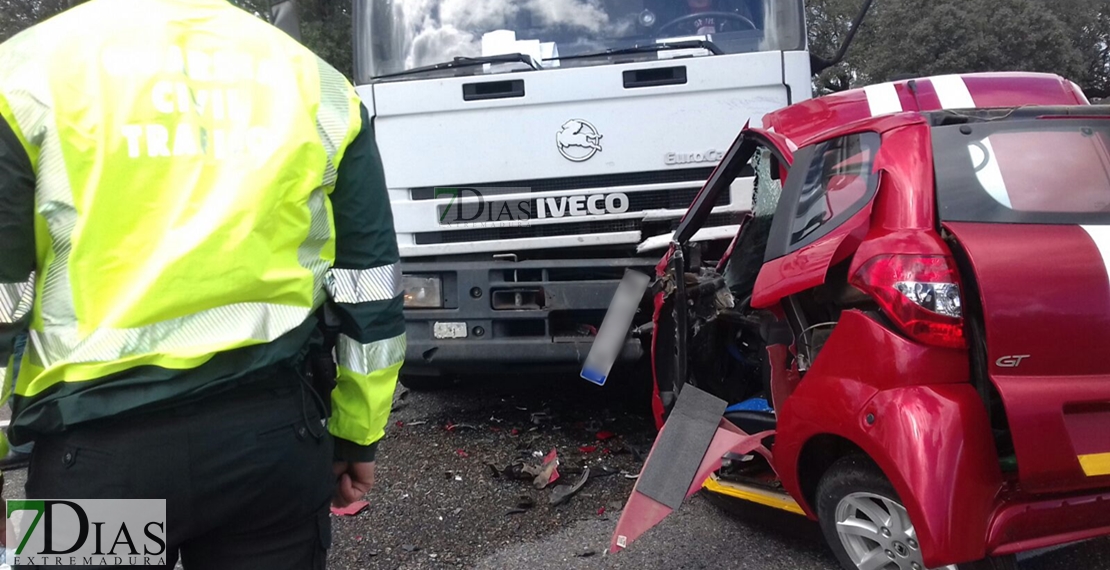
{"x": 325, "y": 24}
{"x": 827, "y": 23}
{"x": 898, "y": 38}
{"x": 932, "y": 37}
{"x": 1088, "y": 23}
{"x": 326, "y": 30}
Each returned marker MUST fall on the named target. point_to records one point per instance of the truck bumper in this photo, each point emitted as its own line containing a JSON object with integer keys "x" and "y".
{"x": 537, "y": 315}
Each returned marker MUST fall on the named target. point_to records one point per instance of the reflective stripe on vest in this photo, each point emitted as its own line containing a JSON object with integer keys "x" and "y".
{"x": 368, "y": 358}
{"x": 15, "y": 300}
{"x": 365, "y": 285}
{"x": 234, "y": 249}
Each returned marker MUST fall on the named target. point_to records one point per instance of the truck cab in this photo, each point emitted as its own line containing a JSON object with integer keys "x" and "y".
{"x": 535, "y": 151}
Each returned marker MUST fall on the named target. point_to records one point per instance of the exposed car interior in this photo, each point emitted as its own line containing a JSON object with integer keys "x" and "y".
{"x": 728, "y": 339}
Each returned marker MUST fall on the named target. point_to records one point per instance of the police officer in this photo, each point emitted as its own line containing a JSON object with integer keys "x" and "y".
{"x": 182, "y": 188}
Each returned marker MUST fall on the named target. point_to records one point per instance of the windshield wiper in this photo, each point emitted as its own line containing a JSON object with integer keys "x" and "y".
{"x": 650, "y": 48}
{"x": 460, "y": 62}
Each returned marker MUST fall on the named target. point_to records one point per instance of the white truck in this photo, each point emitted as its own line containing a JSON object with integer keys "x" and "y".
{"x": 536, "y": 149}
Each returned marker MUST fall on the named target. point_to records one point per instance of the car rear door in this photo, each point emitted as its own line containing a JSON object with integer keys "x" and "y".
{"x": 1027, "y": 202}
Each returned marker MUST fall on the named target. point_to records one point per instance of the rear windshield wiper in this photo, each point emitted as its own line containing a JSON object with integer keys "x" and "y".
{"x": 650, "y": 48}
{"x": 460, "y": 62}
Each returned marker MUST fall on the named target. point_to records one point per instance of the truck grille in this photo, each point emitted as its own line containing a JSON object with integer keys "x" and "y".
{"x": 569, "y": 229}
{"x": 640, "y": 199}
{"x": 580, "y": 182}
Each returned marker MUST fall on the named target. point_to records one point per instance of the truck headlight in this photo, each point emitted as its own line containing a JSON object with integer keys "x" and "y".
{"x": 422, "y": 291}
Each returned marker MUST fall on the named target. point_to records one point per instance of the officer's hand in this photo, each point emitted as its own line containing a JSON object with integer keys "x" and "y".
{"x": 353, "y": 481}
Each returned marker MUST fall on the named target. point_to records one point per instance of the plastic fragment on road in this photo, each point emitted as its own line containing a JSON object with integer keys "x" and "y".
{"x": 351, "y": 509}
{"x": 563, "y": 493}
{"x": 588, "y": 448}
{"x": 605, "y": 435}
{"x": 548, "y": 472}
{"x": 688, "y": 450}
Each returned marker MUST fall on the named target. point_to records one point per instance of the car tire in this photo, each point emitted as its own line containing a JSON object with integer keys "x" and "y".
{"x": 854, "y": 494}
{"x": 427, "y": 383}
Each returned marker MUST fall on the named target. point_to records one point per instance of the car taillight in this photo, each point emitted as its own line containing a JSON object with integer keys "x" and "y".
{"x": 920, "y": 293}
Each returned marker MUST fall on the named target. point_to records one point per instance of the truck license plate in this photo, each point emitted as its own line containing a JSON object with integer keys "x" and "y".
{"x": 449, "y": 330}
{"x": 614, "y": 329}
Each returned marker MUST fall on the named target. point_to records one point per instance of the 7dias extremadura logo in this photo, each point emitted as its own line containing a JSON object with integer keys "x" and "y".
{"x": 86, "y": 532}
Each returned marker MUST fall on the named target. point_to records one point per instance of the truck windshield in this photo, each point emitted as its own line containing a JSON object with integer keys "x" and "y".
{"x": 392, "y": 36}
{"x": 1042, "y": 171}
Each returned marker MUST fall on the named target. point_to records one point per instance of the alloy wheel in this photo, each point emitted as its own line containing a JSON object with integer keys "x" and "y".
{"x": 877, "y": 533}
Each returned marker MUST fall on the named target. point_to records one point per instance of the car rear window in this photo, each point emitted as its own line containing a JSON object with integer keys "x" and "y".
{"x": 1040, "y": 171}
{"x": 838, "y": 181}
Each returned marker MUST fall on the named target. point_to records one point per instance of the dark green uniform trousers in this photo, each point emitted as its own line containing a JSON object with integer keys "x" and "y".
{"x": 246, "y": 474}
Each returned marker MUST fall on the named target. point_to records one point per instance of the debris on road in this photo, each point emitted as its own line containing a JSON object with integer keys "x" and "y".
{"x": 605, "y": 435}
{"x": 637, "y": 455}
{"x": 588, "y": 448}
{"x": 400, "y": 401}
{"x": 410, "y": 547}
{"x": 525, "y": 502}
{"x": 351, "y": 509}
{"x": 548, "y": 472}
{"x": 563, "y": 493}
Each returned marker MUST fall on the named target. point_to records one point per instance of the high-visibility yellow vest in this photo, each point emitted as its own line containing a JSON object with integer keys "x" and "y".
{"x": 193, "y": 147}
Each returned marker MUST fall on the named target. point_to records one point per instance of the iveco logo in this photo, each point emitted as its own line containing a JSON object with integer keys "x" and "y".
{"x": 578, "y": 140}
{"x": 594, "y": 205}
{"x": 710, "y": 155}
{"x": 1011, "y": 361}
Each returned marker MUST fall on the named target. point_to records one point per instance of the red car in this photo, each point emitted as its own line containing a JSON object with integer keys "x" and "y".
{"x": 913, "y": 324}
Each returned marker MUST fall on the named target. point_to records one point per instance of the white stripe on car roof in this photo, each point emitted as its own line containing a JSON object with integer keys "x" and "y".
{"x": 883, "y": 99}
{"x": 952, "y": 92}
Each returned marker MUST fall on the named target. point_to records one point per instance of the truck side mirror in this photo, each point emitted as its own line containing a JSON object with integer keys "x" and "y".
{"x": 818, "y": 64}
{"x": 283, "y": 14}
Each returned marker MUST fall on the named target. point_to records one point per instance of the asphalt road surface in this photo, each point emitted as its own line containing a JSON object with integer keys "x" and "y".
{"x": 439, "y": 504}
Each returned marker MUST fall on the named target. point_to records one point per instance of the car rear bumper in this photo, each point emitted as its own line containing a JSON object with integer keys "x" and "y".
{"x": 1019, "y": 526}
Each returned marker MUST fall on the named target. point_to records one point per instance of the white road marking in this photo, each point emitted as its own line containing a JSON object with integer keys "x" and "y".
{"x": 883, "y": 99}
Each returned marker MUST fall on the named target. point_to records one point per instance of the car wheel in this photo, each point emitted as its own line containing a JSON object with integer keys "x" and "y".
{"x": 427, "y": 383}
{"x": 867, "y": 526}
